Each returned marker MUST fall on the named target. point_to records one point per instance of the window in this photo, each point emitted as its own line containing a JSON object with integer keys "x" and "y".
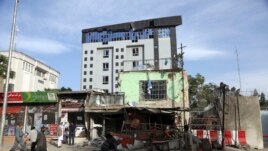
{"x": 91, "y": 58}
{"x": 39, "y": 73}
{"x": 153, "y": 90}
{"x": 90, "y": 72}
{"x": 106, "y": 53}
{"x": 116, "y": 85}
{"x": 116, "y": 71}
{"x": 105, "y": 80}
{"x": 116, "y": 78}
{"x": 105, "y": 66}
{"x": 135, "y": 64}
{"x": 122, "y": 49}
{"x": 90, "y": 79}
{"x": 91, "y": 51}
{"x": 85, "y": 51}
{"x": 116, "y": 57}
{"x": 85, "y": 73}
{"x": 85, "y": 65}
{"x": 85, "y": 59}
{"x": 122, "y": 63}
{"x": 85, "y": 80}
{"x": 52, "y": 78}
{"x": 41, "y": 81}
{"x": 116, "y": 64}
{"x": 91, "y": 65}
{"x": 84, "y": 87}
{"x": 135, "y": 51}
{"x": 90, "y": 86}
{"x": 122, "y": 56}
{"x": 117, "y": 50}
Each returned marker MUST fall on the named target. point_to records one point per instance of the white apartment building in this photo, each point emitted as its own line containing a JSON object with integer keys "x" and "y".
{"x": 30, "y": 74}
{"x": 139, "y": 45}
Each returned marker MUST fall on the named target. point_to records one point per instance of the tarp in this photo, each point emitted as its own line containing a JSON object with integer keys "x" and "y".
{"x": 29, "y": 97}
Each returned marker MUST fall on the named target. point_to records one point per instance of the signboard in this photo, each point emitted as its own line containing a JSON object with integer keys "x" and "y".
{"x": 12, "y": 97}
{"x": 39, "y": 97}
{"x": 29, "y": 97}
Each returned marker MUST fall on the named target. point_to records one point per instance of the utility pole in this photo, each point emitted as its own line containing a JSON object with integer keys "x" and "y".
{"x": 180, "y": 60}
{"x": 223, "y": 90}
{"x": 11, "y": 45}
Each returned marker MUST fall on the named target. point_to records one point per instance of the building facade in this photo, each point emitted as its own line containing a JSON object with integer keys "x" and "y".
{"x": 30, "y": 74}
{"x": 137, "y": 45}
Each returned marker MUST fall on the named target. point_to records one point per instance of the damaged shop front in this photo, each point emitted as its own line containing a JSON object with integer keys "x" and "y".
{"x": 71, "y": 109}
{"x": 107, "y": 113}
{"x": 30, "y": 108}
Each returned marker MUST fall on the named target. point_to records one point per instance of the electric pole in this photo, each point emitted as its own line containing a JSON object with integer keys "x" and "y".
{"x": 11, "y": 45}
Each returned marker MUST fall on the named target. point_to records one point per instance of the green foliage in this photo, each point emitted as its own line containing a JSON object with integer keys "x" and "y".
{"x": 65, "y": 89}
{"x": 3, "y": 67}
{"x": 201, "y": 94}
{"x": 262, "y": 99}
{"x": 62, "y": 89}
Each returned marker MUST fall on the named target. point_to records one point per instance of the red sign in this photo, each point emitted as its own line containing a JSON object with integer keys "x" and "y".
{"x": 12, "y": 97}
{"x": 53, "y": 129}
{"x": 12, "y": 109}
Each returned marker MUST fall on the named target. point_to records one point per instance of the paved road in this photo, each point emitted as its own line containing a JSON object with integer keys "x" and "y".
{"x": 78, "y": 147}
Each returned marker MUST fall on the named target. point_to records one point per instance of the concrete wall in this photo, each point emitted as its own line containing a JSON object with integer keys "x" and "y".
{"x": 250, "y": 119}
{"x": 264, "y": 119}
{"x": 129, "y": 83}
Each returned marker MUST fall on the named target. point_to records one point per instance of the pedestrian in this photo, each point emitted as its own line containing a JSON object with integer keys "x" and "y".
{"x": 32, "y": 136}
{"x": 60, "y": 134}
{"x": 66, "y": 135}
{"x": 18, "y": 143}
{"x": 41, "y": 142}
{"x": 110, "y": 144}
{"x": 71, "y": 133}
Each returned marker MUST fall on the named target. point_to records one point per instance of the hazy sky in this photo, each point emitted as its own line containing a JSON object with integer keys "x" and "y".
{"x": 50, "y": 30}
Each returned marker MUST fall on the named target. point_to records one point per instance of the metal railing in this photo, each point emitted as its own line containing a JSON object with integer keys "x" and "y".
{"x": 149, "y": 64}
{"x": 105, "y": 99}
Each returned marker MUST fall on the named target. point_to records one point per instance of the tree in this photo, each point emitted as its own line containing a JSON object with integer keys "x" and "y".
{"x": 262, "y": 99}
{"x": 3, "y": 67}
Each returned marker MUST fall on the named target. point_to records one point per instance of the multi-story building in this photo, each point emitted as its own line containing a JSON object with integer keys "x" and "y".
{"x": 30, "y": 74}
{"x": 138, "y": 45}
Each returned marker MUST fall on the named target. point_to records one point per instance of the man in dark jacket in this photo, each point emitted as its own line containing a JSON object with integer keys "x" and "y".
{"x": 41, "y": 140}
{"x": 71, "y": 133}
{"x": 110, "y": 143}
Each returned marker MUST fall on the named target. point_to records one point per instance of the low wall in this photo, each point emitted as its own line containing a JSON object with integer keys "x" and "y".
{"x": 249, "y": 117}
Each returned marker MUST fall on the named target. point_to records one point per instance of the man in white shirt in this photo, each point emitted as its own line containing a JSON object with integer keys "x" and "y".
{"x": 32, "y": 136}
{"x": 60, "y": 131}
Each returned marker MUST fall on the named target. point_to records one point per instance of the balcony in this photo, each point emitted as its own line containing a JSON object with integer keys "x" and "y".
{"x": 149, "y": 64}
{"x": 105, "y": 100}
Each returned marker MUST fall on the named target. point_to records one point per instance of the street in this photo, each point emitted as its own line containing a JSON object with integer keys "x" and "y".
{"x": 8, "y": 142}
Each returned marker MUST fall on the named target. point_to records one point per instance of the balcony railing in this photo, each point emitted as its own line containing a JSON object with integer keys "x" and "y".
{"x": 105, "y": 99}
{"x": 149, "y": 64}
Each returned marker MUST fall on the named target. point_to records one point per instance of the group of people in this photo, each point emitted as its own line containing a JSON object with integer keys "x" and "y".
{"x": 68, "y": 133}
{"x": 38, "y": 139}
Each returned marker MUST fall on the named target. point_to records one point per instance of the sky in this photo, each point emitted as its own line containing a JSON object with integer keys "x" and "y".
{"x": 212, "y": 31}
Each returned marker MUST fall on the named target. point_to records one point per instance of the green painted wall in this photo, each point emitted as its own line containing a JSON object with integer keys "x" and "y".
{"x": 129, "y": 83}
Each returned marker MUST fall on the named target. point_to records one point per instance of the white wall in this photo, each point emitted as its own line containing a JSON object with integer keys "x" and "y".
{"x": 27, "y": 80}
{"x": 146, "y": 45}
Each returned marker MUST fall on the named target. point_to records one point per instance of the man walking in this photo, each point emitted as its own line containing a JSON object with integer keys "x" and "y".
{"x": 60, "y": 135}
{"x": 71, "y": 133}
{"x": 32, "y": 136}
{"x": 41, "y": 142}
{"x": 18, "y": 143}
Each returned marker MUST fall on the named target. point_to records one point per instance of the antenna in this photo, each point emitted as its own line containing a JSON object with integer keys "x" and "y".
{"x": 238, "y": 70}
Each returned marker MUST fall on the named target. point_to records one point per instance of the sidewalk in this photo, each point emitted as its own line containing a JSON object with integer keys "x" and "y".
{"x": 9, "y": 140}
